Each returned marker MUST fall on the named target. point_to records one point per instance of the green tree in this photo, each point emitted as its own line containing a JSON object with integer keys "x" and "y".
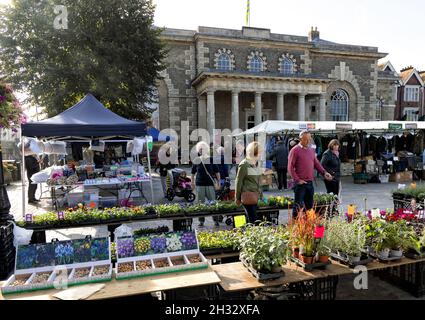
{"x": 110, "y": 48}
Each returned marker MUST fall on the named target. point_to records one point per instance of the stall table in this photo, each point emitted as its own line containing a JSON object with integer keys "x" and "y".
{"x": 236, "y": 278}
{"x": 169, "y": 283}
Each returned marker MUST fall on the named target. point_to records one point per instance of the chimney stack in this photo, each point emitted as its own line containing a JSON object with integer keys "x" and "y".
{"x": 313, "y": 34}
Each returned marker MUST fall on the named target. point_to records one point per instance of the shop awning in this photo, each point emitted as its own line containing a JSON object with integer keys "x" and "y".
{"x": 272, "y": 127}
{"x": 88, "y": 118}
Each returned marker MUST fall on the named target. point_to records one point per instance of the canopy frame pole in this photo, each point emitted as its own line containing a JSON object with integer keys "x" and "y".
{"x": 23, "y": 174}
{"x": 150, "y": 171}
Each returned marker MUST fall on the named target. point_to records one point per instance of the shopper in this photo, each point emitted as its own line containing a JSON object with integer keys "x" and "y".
{"x": 332, "y": 164}
{"x": 205, "y": 175}
{"x": 280, "y": 153}
{"x": 301, "y": 164}
{"x": 32, "y": 166}
{"x": 223, "y": 167}
{"x": 248, "y": 189}
{"x": 164, "y": 170}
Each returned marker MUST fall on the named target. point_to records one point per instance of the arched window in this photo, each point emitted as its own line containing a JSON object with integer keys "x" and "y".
{"x": 224, "y": 62}
{"x": 287, "y": 67}
{"x": 256, "y": 64}
{"x": 339, "y": 105}
{"x": 378, "y": 110}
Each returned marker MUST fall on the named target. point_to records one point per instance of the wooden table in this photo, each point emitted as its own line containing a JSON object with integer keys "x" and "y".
{"x": 235, "y": 277}
{"x": 136, "y": 286}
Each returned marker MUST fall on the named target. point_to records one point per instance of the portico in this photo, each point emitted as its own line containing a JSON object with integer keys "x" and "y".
{"x": 225, "y": 96}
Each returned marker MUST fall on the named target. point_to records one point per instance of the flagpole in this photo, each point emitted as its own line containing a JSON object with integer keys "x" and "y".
{"x": 248, "y": 13}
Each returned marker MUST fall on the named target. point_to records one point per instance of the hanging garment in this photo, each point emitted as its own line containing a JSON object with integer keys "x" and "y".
{"x": 381, "y": 146}
{"x": 419, "y": 143}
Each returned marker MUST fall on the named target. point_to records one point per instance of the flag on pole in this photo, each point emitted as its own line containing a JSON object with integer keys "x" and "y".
{"x": 247, "y": 13}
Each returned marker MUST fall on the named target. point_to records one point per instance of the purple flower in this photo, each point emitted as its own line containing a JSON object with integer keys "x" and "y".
{"x": 2, "y": 98}
{"x": 158, "y": 244}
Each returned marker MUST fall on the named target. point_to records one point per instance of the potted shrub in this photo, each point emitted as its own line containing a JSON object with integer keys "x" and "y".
{"x": 323, "y": 250}
{"x": 398, "y": 237}
{"x": 262, "y": 249}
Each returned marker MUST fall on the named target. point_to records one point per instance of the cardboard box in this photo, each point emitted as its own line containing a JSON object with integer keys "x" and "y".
{"x": 406, "y": 176}
{"x": 266, "y": 180}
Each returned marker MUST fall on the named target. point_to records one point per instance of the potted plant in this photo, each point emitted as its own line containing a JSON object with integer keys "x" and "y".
{"x": 323, "y": 250}
{"x": 262, "y": 249}
{"x": 302, "y": 235}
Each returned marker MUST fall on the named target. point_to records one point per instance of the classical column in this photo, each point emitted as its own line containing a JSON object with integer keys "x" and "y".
{"x": 202, "y": 112}
{"x": 301, "y": 107}
{"x": 280, "y": 106}
{"x": 210, "y": 112}
{"x": 322, "y": 108}
{"x": 258, "y": 111}
{"x": 235, "y": 110}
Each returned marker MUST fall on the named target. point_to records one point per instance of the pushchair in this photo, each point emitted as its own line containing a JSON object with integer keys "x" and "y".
{"x": 176, "y": 190}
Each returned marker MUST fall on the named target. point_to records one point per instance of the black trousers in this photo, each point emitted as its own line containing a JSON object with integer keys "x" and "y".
{"x": 282, "y": 180}
{"x": 32, "y": 188}
{"x": 332, "y": 186}
{"x": 252, "y": 214}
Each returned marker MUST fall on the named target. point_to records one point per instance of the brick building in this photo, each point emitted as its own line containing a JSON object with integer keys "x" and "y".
{"x": 410, "y": 95}
{"x": 229, "y": 79}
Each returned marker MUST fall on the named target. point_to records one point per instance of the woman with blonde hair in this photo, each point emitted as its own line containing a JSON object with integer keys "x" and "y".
{"x": 248, "y": 189}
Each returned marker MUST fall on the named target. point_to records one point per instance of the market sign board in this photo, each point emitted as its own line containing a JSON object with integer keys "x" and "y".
{"x": 344, "y": 126}
{"x": 411, "y": 126}
{"x": 307, "y": 126}
{"x": 395, "y": 126}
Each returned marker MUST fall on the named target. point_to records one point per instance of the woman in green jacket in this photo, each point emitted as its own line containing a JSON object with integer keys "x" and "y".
{"x": 248, "y": 180}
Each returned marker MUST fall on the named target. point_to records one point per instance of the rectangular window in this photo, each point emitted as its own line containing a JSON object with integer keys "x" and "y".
{"x": 412, "y": 114}
{"x": 411, "y": 94}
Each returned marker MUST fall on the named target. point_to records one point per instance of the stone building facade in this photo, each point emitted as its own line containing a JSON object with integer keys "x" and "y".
{"x": 231, "y": 79}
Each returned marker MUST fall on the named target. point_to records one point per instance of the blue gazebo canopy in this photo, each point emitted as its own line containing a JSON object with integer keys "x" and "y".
{"x": 88, "y": 118}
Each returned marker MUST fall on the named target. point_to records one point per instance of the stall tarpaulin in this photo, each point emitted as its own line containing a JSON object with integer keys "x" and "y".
{"x": 88, "y": 118}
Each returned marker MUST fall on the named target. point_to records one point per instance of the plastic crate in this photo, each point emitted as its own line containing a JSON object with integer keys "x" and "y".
{"x": 384, "y": 178}
{"x": 318, "y": 289}
{"x": 108, "y": 202}
{"x": 410, "y": 277}
{"x": 272, "y": 217}
{"x": 74, "y": 198}
{"x": 7, "y": 265}
{"x": 182, "y": 225}
{"x": 6, "y": 231}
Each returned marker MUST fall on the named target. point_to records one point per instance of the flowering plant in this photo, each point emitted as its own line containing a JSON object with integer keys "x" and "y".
{"x": 11, "y": 114}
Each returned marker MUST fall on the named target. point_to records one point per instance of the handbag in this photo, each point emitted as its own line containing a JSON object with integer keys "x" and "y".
{"x": 214, "y": 181}
{"x": 249, "y": 198}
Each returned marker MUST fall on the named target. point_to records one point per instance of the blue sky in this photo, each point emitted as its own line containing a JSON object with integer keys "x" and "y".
{"x": 394, "y": 26}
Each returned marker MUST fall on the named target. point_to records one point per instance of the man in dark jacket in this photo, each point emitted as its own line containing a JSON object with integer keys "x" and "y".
{"x": 32, "y": 166}
{"x": 280, "y": 152}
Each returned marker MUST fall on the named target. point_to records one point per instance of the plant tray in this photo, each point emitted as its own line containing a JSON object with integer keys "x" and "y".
{"x": 262, "y": 276}
{"x": 364, "y": 260}
{"x": 310, "y": 267}
{"x": 414, "y": 255}
{"x": 389, "y": 259}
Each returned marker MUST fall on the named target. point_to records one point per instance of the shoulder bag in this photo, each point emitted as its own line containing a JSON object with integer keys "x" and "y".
{"x": 214, "y": 181}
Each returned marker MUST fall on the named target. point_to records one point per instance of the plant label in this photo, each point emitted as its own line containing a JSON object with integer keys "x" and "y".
{"x": 240, "y": 221}
{"x": 319, "y": 232}
{"x": 376, "y": 213}
{"x": 395, "y": 158}
{"x": 61, "y": 216}
{"x": 390, "y": 163}
{"x": 351, "y": 209}
{"x": 28, "y": 217}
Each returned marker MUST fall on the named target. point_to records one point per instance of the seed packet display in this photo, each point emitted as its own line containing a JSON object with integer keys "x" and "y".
{"x": 158, "y": 254}
{"x": 71, "y": 262}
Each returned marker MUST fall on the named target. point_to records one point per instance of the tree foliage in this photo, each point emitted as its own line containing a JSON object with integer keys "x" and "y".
{"x": 110, "y": 49}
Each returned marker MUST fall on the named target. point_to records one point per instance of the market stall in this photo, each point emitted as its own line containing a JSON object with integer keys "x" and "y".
{"x": 375, "y": 151}
{"x": 89, "y": 121}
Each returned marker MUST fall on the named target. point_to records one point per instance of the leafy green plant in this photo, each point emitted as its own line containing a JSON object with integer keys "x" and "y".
{"x": 324, "y": 198}
{"x": 168, "y": 209}
{"x": 263, "y": 249}
{"x": 346, "y": 237}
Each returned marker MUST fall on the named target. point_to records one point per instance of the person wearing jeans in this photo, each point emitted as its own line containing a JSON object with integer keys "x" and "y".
{"x": 280, "y": 153}
{"x": 248, "y": 180}
{"x": 301, "y": 164}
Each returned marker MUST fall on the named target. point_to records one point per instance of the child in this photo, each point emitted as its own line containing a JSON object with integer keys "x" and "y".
{"x": 183, "y": 182}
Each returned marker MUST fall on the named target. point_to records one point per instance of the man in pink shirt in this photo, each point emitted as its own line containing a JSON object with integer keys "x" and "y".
{"x": 301, "y": 164}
